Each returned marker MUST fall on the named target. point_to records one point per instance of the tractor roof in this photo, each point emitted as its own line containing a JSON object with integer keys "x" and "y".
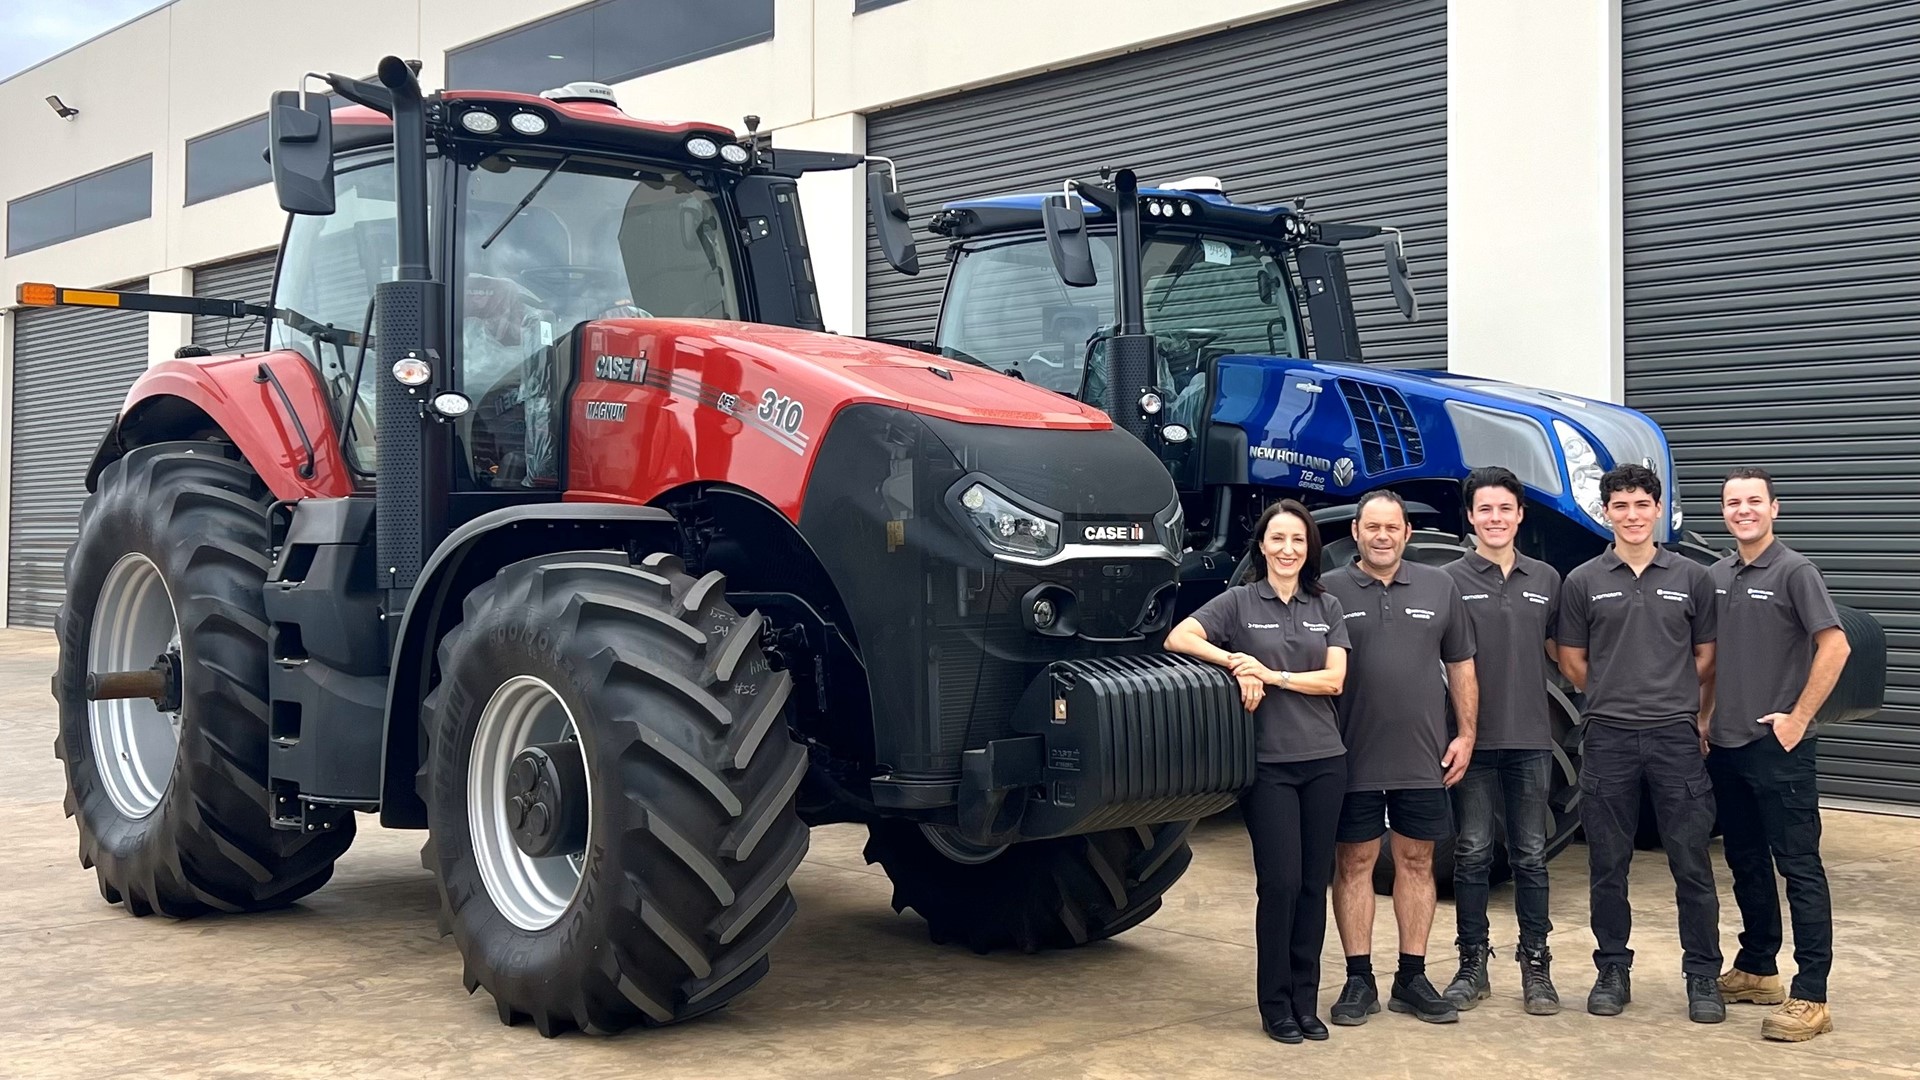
{"x": 571, "y": 125}
{"x": 1184, "y": 204}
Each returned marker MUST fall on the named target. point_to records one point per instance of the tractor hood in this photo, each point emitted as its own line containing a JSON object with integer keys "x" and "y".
{"x": 1344, "y": 429}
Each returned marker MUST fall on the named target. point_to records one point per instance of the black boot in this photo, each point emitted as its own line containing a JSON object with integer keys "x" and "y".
{"x": 1470, "y": 986}
{"x": 1611, "y": 991}
{"x": 1704, "y": 1003}
{"x": 1536, "y": 981}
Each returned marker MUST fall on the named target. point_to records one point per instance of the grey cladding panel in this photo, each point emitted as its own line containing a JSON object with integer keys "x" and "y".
{"x": 71, "y": 369}
{"x": 249, "y": 279}
{"x": 1344, "y": 104}
{"x": 1772, "y": 248}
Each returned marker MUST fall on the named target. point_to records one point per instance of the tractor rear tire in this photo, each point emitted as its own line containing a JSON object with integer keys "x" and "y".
{"x": 1039, "y": 894}
{"x": 680, "y": 887}
{"x": 173, "y": 545}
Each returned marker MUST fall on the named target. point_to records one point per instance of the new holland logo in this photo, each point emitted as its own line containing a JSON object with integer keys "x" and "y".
{"x": 1343, "y": 471}
{"x": 1291, "y": 457}
{"x": 1109, "y": 533}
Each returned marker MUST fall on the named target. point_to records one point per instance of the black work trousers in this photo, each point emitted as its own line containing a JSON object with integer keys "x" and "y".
{"x": 1770, "y": 822}
{"x": 1613, "y": 764}
{"x": 1292, "y": 811}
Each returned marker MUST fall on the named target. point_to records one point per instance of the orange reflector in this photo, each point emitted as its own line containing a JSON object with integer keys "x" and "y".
{"x": 35, "y": 294}
{"x": 89, "y": 298}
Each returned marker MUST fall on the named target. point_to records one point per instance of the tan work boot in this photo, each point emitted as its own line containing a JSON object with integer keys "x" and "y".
{"x": 1797, "y": 1021}
{"x": 1737, "y": 985}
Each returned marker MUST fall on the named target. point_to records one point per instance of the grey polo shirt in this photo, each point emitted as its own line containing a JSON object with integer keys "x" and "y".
{"x": 1769, "y": 610}
{"x": 1513, "y": 616}
{"x": 1285, "y": 635}
{"x": 1394, "y": 711}
{"x": 1639, "y": 633}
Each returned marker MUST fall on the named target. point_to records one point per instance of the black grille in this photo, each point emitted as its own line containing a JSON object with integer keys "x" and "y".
{"x": 1389, "y": 439}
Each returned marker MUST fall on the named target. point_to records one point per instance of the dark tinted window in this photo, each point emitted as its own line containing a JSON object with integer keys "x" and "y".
{"x": 607, "y": 42}
{"x": 227, "y": 161}
{"x": 107, "y": 198}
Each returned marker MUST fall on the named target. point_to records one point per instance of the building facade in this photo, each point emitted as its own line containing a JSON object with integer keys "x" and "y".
{"x": 1703, "y": 208}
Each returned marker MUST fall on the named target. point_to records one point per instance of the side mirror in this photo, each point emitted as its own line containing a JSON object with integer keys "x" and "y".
{"x": 892, "y": 224}
{"x": 1067, "y": 244}
{"x": 1399, "y": 278}
{"x": 300, "y": 147}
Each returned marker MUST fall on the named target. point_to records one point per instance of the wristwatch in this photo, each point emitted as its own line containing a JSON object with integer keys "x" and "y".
{"x": 1286, "y": 679}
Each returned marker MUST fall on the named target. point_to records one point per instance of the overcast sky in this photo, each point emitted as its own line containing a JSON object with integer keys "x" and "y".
{"x": 36, "y": 29}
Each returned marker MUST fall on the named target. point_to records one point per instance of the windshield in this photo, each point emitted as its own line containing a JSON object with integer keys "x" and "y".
{"x": 1206, "y": 296}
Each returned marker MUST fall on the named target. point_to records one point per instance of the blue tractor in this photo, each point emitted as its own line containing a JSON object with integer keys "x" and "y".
{"x": 1226, "y": 340}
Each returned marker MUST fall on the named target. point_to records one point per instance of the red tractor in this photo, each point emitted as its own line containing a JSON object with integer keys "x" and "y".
{"x": 552, "y": 522}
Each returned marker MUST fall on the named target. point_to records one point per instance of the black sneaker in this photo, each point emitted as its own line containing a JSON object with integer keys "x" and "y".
{"x": 1704, "y": 1004}
{"x": 1611, "y": 991}
{"x": 1470, "y": 985}
{"x": 1536, "y": 981}
{"x": 1358, "y": 1000}
{"x": 1417, "y": 996}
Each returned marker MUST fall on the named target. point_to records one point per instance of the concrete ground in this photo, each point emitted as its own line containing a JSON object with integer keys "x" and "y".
{"x": 354, "y": 981}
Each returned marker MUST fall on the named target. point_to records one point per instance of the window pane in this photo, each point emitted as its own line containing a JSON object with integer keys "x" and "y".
{"x": 538, "y": 57}
{"x": 227, "y": 161}
{"x": 632, "y": 37}
{"x": 114, "y": 197}
{"x": 39, "y": 220}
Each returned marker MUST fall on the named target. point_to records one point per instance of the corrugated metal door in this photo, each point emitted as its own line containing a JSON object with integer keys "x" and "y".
{"x": 249, "y": 279}
{"x": 71, "y": 370}
{"x": 1344, "y": 104}
{"x": 1772, "y": 250}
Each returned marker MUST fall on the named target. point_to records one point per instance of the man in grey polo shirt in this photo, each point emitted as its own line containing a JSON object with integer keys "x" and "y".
{"x": 1780, "y": 653}
{"x": 1407, "y": 625}
{"x": 1636, "y": 633}
{"x": 1513, "y": 601}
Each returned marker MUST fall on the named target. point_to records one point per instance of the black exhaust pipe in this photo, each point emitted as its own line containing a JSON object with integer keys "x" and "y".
{"x": 1130, "y": 366}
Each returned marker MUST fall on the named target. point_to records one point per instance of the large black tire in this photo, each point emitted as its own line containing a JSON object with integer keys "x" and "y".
{"x": 693, "y": 835}
{"x": 197, "y": 514}
{"x": 1041, "y": 894}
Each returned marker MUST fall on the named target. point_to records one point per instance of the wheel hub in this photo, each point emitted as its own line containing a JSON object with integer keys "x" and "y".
{"x": 134, "y": 714}
{"x": 546, "y": 793}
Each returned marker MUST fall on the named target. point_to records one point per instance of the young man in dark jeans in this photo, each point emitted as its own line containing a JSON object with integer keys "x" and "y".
{"x": 1636, "y": 633}
{"x": 1780, "y": 651}
{"x": 1512, "y": 601}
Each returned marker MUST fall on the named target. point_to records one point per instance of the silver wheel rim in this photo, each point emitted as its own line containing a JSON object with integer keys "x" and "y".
{"x": 532, "y": 892}
{"x": 947, "y": 841}
{"x": 134, "y": 743}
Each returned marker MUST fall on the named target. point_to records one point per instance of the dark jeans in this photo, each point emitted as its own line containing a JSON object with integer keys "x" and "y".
{"x": 1770, "y": 821}
{"x": 1516, "y": 780}
{"x": 1613, "y": 763}
{"x": 1291, "y": 811}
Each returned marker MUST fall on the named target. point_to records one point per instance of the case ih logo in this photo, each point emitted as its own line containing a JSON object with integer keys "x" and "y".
{"x": 620, "y": 368}
{"x": 1110, "y": 533}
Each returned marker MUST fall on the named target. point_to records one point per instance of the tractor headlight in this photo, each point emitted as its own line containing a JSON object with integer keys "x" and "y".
{"x": 702, "y": 147}
{"x": 1583, "y": 471}
{"x": 1007, "y": 527}
{"x": 734, "y": 153}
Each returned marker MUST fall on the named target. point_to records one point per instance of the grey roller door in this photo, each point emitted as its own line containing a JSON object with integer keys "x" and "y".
{"x": 71, "y": 370}
{"x": 1344, "y": 104}
{"x": 1772, "y": 248}
{"x": 248, "y": 279}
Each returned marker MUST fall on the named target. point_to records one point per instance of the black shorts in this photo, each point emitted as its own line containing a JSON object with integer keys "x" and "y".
{"x": 1417, "y": 814}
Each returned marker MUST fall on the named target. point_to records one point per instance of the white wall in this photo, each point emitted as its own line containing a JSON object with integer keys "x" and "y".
{"x": 1534, "y": 285}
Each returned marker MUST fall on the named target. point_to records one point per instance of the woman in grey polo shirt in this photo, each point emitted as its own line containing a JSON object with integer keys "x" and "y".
{"x": 1281, "y": 634}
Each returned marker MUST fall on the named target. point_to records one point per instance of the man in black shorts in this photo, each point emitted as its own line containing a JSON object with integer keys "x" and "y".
{"x": 1636, "y": 634}
{"x": 1407, "y": 625}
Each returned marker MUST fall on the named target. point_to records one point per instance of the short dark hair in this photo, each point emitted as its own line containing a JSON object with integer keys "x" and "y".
{"x": 1380, "y": 493}
{"x": 1309, "y": 567}
{"x": 1749, "y": 472}
{"x": 1487, "y": 476}
{"x": 1629, "y": 477}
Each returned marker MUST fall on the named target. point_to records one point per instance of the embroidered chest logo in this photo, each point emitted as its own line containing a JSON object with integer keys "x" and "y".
{"x": 1352, "y": 615}
{"x": 1760, "y": 594}
{"x": 1669, "y": 594}
{"x": 1536, "y": 598}
{"x": 1263, "y": 626}
{"x": 1419, "y": 613}
{"x": 1474, "y": 596}
{"x": 1599, "y": 596}
{"x": 1316, "y": 627}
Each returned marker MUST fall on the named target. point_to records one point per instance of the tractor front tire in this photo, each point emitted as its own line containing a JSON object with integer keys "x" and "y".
{"x": 1040, "y": 894}
{"x": 173, "y": 807}
{"x": 667, "y": 905}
